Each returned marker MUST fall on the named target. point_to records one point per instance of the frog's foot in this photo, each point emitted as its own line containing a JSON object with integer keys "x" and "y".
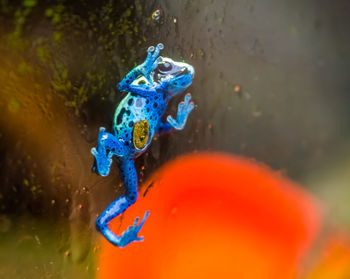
{"x": 152, "y": 60}
{"x": 102, "y": 162}
{"x": 128, "y": 236}
{"x": 152, "y": 54}
{"x": 183, "y": 110}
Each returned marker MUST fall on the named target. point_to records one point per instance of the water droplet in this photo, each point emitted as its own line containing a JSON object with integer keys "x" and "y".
{"x": 37, "y": 239}
{"x": 156, "y": 15}
{"x": 237, "y": 88}
{"x": 257, "y": 111}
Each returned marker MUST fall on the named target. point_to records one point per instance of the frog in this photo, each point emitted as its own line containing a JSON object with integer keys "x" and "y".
{"x": 137, "y": 120}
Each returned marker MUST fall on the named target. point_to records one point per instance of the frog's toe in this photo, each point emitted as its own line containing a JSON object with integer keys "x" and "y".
{"x": 180, "y": 107}
{"x": 103, "y": 167}
{"x": 101, "y": 131}
{"x": 103, "y": 171}
{"x": 94, "y": 151}
{"x": 189, "y": 107}
{"x": 150, "y": 49}
{"x": 160, "y": 46}
{"x": 188, "y": 97}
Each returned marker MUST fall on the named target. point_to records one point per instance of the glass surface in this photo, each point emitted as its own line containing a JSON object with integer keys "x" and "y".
{"x": 271, "y": 84}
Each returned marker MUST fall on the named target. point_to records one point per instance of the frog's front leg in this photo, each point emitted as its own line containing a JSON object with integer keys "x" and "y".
{"x": 144, "y": 69}
{"x": 129, "y": 177}
{"x": 183, "y": 110}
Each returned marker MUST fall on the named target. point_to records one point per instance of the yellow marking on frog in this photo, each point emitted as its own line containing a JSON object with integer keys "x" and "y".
{"x": 140, "y": 134}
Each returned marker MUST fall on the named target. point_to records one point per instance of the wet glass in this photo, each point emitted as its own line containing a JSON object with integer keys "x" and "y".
{"x": 271, "y": 85}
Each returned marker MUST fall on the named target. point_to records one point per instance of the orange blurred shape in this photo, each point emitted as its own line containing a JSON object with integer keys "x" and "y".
{"x": 215, "y": 216}
{"x": 334, "y": 260}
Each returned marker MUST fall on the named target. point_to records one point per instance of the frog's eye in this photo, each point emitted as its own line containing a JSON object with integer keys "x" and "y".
{"x": 165, "y": 66}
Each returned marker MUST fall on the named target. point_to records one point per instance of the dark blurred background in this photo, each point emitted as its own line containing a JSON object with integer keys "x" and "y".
{"x": 272, "y": 84}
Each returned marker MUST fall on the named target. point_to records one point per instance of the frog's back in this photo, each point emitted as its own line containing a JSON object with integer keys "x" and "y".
{"x": 134, "y": 109}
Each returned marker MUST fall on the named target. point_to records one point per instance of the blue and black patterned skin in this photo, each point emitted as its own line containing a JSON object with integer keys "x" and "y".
{"x": 138, "y": 118}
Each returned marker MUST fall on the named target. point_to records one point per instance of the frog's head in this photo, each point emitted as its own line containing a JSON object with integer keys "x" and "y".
{"x": 177, "y": 76}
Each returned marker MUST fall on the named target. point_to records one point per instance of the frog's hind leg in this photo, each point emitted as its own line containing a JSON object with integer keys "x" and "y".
{"x": 129, "y": 177}
{"x": 107, "y": 146}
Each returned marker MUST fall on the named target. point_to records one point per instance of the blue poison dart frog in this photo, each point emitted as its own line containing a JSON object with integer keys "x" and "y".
{"x": 138, "y": 119}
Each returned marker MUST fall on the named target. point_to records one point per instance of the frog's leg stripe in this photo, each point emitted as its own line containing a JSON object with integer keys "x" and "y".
{"x": 107, "y": 146}
{"x": 129, "y": 177}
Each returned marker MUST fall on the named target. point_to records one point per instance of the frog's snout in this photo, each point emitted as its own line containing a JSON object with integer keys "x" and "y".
{"x": 189, "y": 70}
